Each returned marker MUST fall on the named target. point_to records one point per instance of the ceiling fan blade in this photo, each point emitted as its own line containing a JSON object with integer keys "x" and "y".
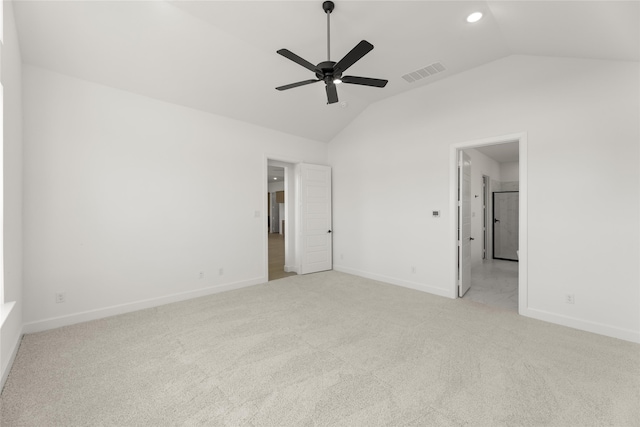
{"x": 332, "y": 93}
{"x": 295, "y": 58}
{"x": 302, "y": 83}
{"x": 354, "y": 55}
{"x": 365, "y": 81}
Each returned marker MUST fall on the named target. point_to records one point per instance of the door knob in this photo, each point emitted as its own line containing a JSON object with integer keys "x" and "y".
{"x": 329, "y": 231}
{"x": 471, "y": 238}
{"x": 495, "y": 220}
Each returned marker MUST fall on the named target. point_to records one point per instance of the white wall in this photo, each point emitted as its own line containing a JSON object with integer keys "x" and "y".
{"x": 582, "y": 120}
{"x": 276, "y": 186}
{"x": 281, "y": 217}
{"x": 509, "y": 171}
{"x": 127, "y": 199}
{"x": 11, "y": 331}
{"x": 480, "y": 165}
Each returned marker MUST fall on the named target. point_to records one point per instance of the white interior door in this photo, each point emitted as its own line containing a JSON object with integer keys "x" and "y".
{"x": 464, "y": 223}
{"x": 315, "y": 218}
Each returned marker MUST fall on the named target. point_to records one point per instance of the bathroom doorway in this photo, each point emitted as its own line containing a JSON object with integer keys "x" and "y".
{"x": 497, "y": 169}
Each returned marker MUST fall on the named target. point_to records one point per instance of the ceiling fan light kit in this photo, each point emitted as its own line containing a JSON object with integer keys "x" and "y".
{"x": 330, "y": 72}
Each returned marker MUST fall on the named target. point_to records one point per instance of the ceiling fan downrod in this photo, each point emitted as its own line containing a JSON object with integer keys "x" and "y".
{"x": 328, "y": 7}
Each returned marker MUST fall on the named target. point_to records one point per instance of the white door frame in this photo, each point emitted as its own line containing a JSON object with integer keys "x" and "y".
{"x": 521, "y": 138}
{"x": 486, "y": 223}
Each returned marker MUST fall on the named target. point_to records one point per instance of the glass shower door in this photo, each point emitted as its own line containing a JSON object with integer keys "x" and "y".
{"x": 505, "y": 225}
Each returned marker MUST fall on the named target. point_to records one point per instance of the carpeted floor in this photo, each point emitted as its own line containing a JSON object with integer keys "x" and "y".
{"x": 322, "y": 349}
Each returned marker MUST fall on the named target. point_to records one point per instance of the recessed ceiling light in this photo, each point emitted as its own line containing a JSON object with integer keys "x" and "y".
{"x": 275, "y": 178}
{"x": 474, "y": 17}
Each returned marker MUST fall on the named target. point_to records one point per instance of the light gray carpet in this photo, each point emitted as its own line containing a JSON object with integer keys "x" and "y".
{"x": 322, "y": 349}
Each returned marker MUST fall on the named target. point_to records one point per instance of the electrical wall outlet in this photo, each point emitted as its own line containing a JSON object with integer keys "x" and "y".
{"x": 221, "y": 272}
{"x": 569, "y": 298}
{"x": 61, "y": 297}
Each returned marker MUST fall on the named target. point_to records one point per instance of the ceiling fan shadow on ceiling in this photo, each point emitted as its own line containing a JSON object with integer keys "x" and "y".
{"x": 330, "y": 72}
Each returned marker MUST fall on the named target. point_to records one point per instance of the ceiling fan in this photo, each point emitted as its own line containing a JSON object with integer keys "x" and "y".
{"x": 330, "y": 72}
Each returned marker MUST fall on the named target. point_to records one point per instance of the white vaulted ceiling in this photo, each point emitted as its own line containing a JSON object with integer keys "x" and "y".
{"x": 220, "y": 56}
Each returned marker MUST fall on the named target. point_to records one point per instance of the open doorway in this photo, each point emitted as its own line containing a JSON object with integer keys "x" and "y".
{"x": 279, "y": 218}
{"x": 303, "y": 223}
{"x": 492, "y": 169}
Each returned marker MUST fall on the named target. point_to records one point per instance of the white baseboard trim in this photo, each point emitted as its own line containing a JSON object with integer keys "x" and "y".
{"x": 290, "y": 269}
{"x": 7, "y": 367}
{"x": 100, "y": 313}
{"x": 5, "y": 310}
{"x": 583, "y": 325}
{"x": 393, "y": 281}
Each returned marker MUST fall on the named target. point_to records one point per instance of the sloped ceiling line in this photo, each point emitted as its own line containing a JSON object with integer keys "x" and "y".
{"x": 220, "y": 56}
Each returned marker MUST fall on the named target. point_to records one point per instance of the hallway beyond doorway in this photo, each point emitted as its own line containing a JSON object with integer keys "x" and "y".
{"x": 495, "y": 283}
{"x": 276, "y": 257}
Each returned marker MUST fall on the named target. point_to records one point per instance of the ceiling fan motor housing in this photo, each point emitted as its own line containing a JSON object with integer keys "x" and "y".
{"x": 326, "y": 72}
{"x": 328, "y": 6}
